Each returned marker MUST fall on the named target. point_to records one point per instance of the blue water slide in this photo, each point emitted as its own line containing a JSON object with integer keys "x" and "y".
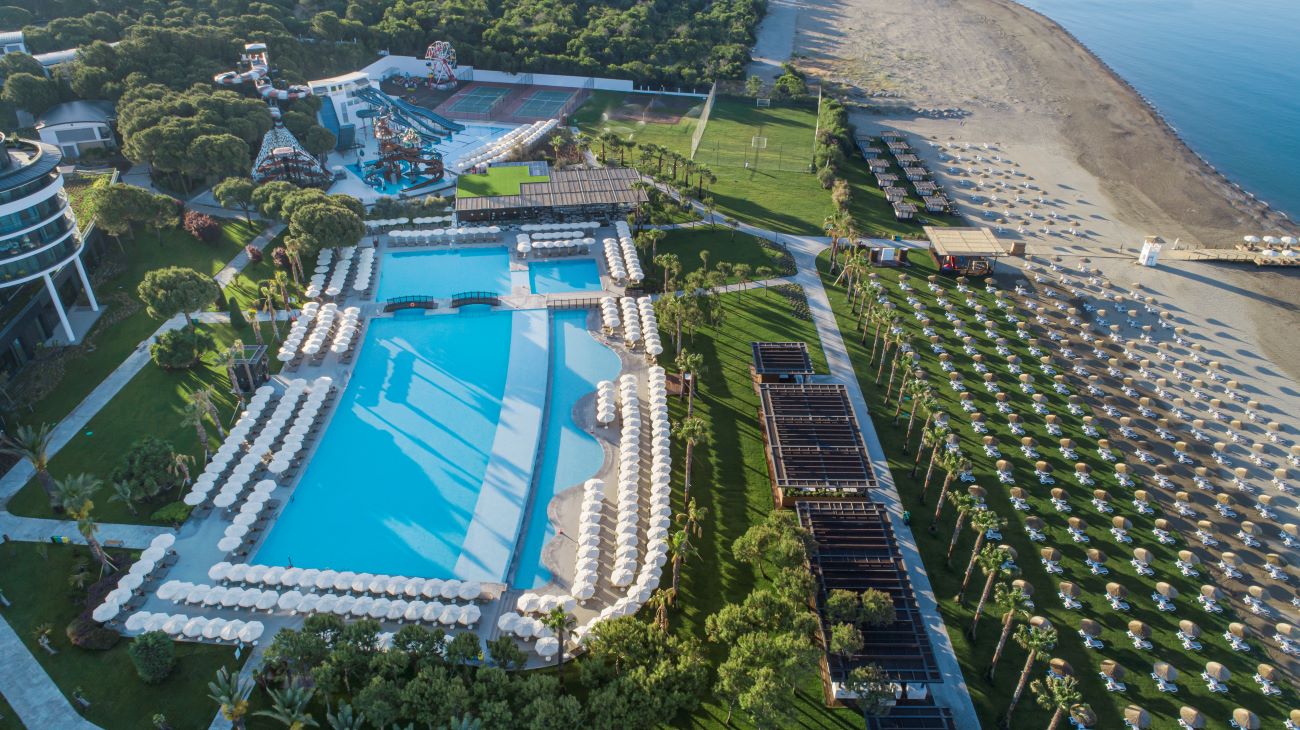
{"x": 431, "y": 127}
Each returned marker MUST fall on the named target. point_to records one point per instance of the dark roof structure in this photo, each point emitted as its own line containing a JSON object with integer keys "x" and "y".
{"x": 73, "y": 112}
{"x": 813, "y": 439}
{"x": 567, "y": 189}
{"x": 914, "y": 717}
{"x": 781, "y": 358}
{"x": 855, "y": 550}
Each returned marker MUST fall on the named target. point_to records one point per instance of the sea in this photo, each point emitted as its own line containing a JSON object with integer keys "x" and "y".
{"x": 1225, "y": 74}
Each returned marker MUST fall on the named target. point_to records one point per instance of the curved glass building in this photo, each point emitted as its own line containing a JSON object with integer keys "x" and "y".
{"x": 38, "y": 231}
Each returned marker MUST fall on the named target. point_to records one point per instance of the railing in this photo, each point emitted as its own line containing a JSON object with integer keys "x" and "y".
{"x": 475, "y": 297}
{"x": 415, "y": 301}
{"x": 573, "y": 303}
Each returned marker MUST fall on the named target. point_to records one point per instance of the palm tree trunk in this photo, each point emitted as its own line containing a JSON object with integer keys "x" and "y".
{"x": 884, "y": 355}
{"x": 1056, "y": 718}
{"x": 956, "y": 535}
{"x": 202, "y": 434}
{"x": 686, "y": 476}
{"x": 943, "y": 496}
{"x": 1020, "y": 686}
{"x": 1007, "y": 623}
{"x": 51, "y": 489}
{"x": 984, "y": 598}
{"x": 893, "y": 370}
{"x": 875, "y": 342}
{"x": 925, "y": 485}
{"x": 970, "y": 567}
{"x": 911, "y": 419}
{"x": 98, "y": 551}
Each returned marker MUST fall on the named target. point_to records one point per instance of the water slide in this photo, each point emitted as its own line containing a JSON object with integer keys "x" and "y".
{"x": 431, "y": 127}
{"x": 258, "y": 73}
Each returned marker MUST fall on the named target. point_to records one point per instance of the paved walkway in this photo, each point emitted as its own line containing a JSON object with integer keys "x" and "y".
{"x": 237, "y": 264}
{"x": 775, "y": 42}
{"x": 35, "y": 698}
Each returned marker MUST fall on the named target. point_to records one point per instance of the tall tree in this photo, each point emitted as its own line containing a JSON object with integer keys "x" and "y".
{"x": 176, "y": 290}
{"x": 996, "y": 562}
{"x": 1012, "y": 604}
{"x": 559, "y": 621}
{"x": 981, "y": 523}
{"x": 1058, "y": 695}
{"x": 692, "y": 431}
{"x": 236, "y": 192}
{"x": 1036, "y": 638}
{"x": 32, "y": 443}
{"x": 289, "y": 707}
{"x": 953, "y": 465}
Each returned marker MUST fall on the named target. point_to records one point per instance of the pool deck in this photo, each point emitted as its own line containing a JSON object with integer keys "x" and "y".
{"x": 495, "y": 528}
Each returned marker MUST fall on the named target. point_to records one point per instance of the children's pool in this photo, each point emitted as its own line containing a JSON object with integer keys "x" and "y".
{"x": 563, "y": 275}
{"x": 440, "y": 273}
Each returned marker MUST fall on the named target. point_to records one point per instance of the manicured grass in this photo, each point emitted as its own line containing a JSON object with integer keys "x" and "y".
{"x": 8, "y": 718}
{"x": 730, "y": 480}
{"x": 594, "y": 117}
{"x": 112, "y": 339}
{"x": 723, "y": 245}
{"x": 77, "y": 185}
{"x": 37, "y": 586}
{"x": 496, "y": 181}
{"x": 246, "y": 287}
{"x": 149, "y": 405}
{"x": 991, "y": 697}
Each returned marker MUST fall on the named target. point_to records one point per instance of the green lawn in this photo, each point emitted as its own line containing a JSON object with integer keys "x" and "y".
{"x": 723, "y": 245}
{"x": 730, "y": 479}
{"x": 149, "y": 405}
{"x": 600, "y": 114}
{"x": 8, "y": 718}
{"x": 496, "y": 181}
{"x": 77, "y": 185}
{"x": 991, "y": 698}
{"x": 37, "y": 586}
{"x": 245, "y": 288}
{"x": 115, "y": 336}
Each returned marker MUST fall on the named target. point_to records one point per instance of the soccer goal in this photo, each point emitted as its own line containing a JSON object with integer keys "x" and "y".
{"x": 762, "y": 102}
{"x": 758, "y": 143}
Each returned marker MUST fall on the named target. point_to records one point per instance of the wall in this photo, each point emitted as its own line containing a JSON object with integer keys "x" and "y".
{"x": 410, "y": 65}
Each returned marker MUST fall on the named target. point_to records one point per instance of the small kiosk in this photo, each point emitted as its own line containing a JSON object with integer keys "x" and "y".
{"x": 964, "y": 251}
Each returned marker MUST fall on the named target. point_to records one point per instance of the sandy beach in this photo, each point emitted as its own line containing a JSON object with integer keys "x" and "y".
{"x": 1015, "y": 80}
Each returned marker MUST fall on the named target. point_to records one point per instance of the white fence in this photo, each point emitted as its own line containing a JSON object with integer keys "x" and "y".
{"x": 390, "y": 66}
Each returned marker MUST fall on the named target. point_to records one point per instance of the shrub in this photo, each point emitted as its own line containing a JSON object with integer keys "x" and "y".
{"x": 877, "y": 608}
{"x": 153, "y": 655}
{"x": 172, "y": 513}
{"x": 84, "y": 633}
{"x": 842, "y": 606}
{"x": 202, "y": 226}
{"x": 180, "y": 349}
{"x": 253, "y": 253}
{"x": 147, "y": 466}
{"x": 845, "y": 639}
{"x": 826, "y": 176}
{"x": 237, "y": 319}
{"x": 280, "y": 258}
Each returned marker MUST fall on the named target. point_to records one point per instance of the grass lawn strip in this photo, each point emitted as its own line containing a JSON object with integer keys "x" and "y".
{"x": 35, "y": 578}
{"x": 991, "y": 698}
{"x": 496, "y": 181}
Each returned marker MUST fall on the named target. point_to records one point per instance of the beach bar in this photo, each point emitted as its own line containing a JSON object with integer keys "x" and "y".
{"x": 966, "y": 251}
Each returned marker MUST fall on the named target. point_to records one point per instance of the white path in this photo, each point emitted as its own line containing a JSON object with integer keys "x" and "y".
{"x": 237, "y": 264}
{"x": 28, "y": 689}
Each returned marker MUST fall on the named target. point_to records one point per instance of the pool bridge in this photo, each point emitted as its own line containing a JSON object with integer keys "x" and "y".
{"x": 460, "y": 299}
{"x": 414, "y": 301}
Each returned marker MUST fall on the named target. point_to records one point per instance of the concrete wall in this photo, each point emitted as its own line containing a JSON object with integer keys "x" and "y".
{"x": 389, "y": 66}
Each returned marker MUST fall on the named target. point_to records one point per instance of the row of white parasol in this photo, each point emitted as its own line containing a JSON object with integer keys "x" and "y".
{"x": 614, "y": 259}
{"x": 631, "y": 321}
{"x": 609, "y": 319}
{"x": 451, "y": 235}
{"x": 605, "y": 407}
{"x": 312, "y": 579}
{"x": 338, "y": 272}
{"x": 268, "y": 433}
{"x": 135, "y": 577}
{"x": 424, "y": 221}
{"x": 587, "y": 562}
{"x": 295, "y": 602}
{"x": 365, "y": 270}
{"x": 649, "y": 326}
{"x": 500, "y": 148}
{"x": 631, "y": 260}
{"x": 563, "y": 246}
{"x": 544, "y": 227}
{"x": 322, "y": 320}
{"x": 627, "y": 531}
{"x": 528, "y": 628}
{"x": 544, "y": 603}
{"x": 196, "y": 627}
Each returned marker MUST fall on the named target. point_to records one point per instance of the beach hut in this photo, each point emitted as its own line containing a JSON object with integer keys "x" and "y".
{"x": 964, "y": 250}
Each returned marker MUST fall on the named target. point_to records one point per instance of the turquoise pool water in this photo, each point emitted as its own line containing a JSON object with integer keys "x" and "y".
{"x": 394, "y": 483}
{"x": 562, "y": 276}
{"x": 441, "y": 273}
{"x": 570, "y": 455}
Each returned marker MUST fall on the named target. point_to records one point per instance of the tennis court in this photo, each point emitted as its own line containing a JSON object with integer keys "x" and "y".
{"x": 478, "y": 100}
{"x": 544, "y": 103}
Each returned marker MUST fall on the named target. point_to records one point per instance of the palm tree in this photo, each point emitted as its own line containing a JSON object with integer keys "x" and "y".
{"x": 855, "y": 267}
{"x": 952, "y": 463}
{"x": 660, "y": 600}
{"x": 693, "y": 431}
{"x": 32, "y": 443}
{"x": 923, "y": 399}
{"x": 75, "y": 491}
{"x": 692, "y": 517}
{"x": 1011, "y": 603}
{"x": 743, "y": 274}
{"x": 231, "y": 693}
{"x": 1036, "y": 638}
{"x": 559, "y": 621}
{"x": 87, "y": 526}
{"x": 203, "y": 396}
{"x": 703, "y": 175}
{"x": 764, "y": 273}
{"x": 267, "y": 303}
{"x": 251, "y": 316}
{"x": 983, "y": 522}
{"x": 902, "y": 352}
{"x": 1061, "y": 695}
{"x": 932, "y": 437}
{"x": 995, "y": 561}
{"x": 835, "y": 225}
{"x": 964, "y": 504}
{"x": 281, "y": 281}
{"x": 671, "y": 266}
{"x": 125, "y": 492}
{"x": 914, "y": 387}
{"x": 194, "y": 412}
{"x": 289, "y": 706}
{"x": 345, "y": 719}
{"x": 679, "y": 548}
{"x": 689, "y": 363}
{"x": 180, "y": 468}
{"x": 890, "y": 338}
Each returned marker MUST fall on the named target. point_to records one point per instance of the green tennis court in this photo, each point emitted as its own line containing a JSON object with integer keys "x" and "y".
{"x": 479, "y": 100}
{"x": 544, "y": 103}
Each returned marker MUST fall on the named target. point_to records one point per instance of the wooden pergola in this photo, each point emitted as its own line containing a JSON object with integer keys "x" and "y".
{"x": 814, "y": 444}
{"x": 781, "y": 362}
{"x": 964, "y": 250}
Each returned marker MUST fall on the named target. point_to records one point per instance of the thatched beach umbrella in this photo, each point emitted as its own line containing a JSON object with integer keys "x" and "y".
{"x": 1113, "y": 669}
{"x": 1142, "y": 555}
{"x": 1116, "y": 591}
{"x": 1245, "y": 719}
{"x": 1191, "y": 717}
{"x": 1250, "y": 528}
{"x": 1078, "y": 523}
{"x": 1267, "y": 672}
{"x": 1166, "y": 590}
{"x": 1068, "y": 589}
{"x": 1190, "y": 628}
{"x": 1217, "y": 672}
{"x": 1050, "y": 554}
{"x": 1238, "y": 629}
{"x": 1137, "y": 717}
{"x": 1121, "y": 522}
{"x": 1139, "y": 629}
{"x": 1034, "y": 523}
{"x": 1205, "y": 525}
{"x": 1059, "y": 494}
{"x": 1230, "y": 559}
{"x": 1211, "y": 592}
{"x": 1060, "y": 667}
{"x": 1165, "y": 671}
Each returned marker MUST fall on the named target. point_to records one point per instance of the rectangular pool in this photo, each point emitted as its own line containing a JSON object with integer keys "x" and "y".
{"x": 563, "y": 276}
{"x": 440, "y": 273}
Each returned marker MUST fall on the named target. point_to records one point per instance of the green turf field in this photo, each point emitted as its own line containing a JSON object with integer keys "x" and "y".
{"x": 496, "y": 181}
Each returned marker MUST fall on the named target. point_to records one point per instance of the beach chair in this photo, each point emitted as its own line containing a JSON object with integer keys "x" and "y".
{"x": 1163, "y": 685}
{"x": 1215, "y": 686}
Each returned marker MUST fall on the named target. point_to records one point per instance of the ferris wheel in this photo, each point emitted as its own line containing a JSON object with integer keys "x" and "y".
{"x": 441, "y": 59}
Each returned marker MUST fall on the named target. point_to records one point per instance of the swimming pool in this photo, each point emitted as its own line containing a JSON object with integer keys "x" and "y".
{"x": 426, "y": 465}
{"x": 441, "y": 273}
{"x": 570, "y": 454}
{"x": 564, "y": 275}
